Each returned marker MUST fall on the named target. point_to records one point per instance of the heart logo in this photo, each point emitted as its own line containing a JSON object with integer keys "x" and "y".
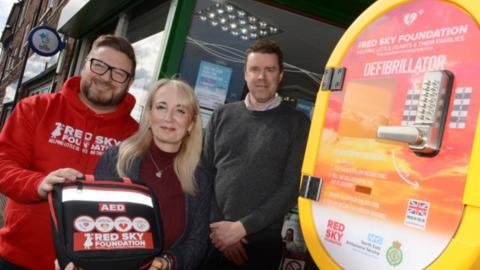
{"x": 140, "y": 224}
{"x": 84, "y": 224}
{"x": 123, "y": 226}
{"x": 409, "y": 18}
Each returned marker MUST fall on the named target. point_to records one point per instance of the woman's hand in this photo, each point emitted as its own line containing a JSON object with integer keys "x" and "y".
{"x": 159, "y": 264}
{"x": 69, "y": 266}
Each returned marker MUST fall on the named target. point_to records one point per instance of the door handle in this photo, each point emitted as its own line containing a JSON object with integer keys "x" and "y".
{"x": 424, "y": 137}
{"x": 410, "y": 135}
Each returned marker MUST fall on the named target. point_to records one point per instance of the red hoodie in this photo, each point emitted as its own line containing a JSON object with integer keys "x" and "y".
{"x": 43, "y": 134}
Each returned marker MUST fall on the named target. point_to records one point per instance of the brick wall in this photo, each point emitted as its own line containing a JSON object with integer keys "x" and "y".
{"x": 15, "y": 55}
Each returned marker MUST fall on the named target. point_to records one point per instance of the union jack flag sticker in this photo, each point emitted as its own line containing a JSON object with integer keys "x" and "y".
{"x": 417, "y": 213}
{"x": 419, "y": 208}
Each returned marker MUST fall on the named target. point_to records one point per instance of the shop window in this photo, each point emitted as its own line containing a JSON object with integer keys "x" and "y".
{"x": 147, "y": 53}
{"x": 147, "y": 19}
{"x": 40, "y": 90}
{"x": 145, "y": 31}
{"x": 220, "y": 32}
{"x": 143, "y": 25}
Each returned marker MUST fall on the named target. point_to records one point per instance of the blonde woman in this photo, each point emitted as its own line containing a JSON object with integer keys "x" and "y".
{"x": 163, "y": 154}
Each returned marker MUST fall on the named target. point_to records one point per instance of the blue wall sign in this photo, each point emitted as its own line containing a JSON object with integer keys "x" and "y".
{"x": 45, "y": 41}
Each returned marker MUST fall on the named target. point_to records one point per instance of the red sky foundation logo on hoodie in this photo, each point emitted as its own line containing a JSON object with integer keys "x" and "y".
{"x": 80, "y": 140}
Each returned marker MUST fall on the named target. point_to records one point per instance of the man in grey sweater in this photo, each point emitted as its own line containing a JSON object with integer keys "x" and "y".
{"x": 253, "y": 151}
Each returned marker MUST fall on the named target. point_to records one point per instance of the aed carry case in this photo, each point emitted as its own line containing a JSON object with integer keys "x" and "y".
{"x": 105, "y": 224}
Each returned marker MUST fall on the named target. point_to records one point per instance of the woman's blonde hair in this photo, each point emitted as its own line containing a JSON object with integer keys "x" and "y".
{"x": 188, "y": 156}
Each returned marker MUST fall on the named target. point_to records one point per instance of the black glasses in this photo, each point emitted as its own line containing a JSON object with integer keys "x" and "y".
{"x": 99, "y": 67}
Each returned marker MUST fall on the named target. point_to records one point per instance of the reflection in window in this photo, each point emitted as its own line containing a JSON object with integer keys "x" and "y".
{"x": 10, "y": 92}
{"x": 146, "y": 51}
{"x": 145, "y": 30}
{"x": 36, "y": 64}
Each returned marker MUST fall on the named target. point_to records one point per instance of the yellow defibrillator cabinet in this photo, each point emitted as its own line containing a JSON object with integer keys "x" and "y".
{"x": 391, "y": 175}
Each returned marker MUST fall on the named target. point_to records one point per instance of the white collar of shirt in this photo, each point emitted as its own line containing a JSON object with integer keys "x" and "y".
{"x": 272, "y": 103}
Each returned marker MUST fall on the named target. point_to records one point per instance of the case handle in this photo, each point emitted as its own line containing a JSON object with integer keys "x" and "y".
{"x": 91, "y": 178}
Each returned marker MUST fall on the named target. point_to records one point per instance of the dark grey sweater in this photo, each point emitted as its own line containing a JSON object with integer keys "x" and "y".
{"x": 255, "y": 160}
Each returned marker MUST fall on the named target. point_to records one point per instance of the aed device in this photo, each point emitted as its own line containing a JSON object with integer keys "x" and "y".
{"x": 391, "y": 174}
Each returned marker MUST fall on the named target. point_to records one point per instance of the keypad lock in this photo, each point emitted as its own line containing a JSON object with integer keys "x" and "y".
{"x": 424, "y": 137}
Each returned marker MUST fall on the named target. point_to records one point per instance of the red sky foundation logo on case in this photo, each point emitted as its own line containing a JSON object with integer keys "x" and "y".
{"x": 104, "y": 233}
{"x": 335, "y": 231}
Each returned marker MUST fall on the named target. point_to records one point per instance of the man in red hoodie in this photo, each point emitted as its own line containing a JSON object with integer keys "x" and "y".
{"x": 57, "y": 137}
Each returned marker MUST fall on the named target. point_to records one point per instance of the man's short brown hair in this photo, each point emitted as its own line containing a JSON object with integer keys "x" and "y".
{"x": 266, "y": 46}
{"x": 118, "y": 43}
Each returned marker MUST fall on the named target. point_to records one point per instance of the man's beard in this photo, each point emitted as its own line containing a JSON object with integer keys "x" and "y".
{"x": 111, "y": 99}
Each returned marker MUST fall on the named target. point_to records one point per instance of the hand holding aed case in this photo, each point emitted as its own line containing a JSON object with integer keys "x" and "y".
{"x": 105, "y": 224}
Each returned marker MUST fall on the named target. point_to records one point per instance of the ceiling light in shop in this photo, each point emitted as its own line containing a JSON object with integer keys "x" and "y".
{"x": 236, "y": 21}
